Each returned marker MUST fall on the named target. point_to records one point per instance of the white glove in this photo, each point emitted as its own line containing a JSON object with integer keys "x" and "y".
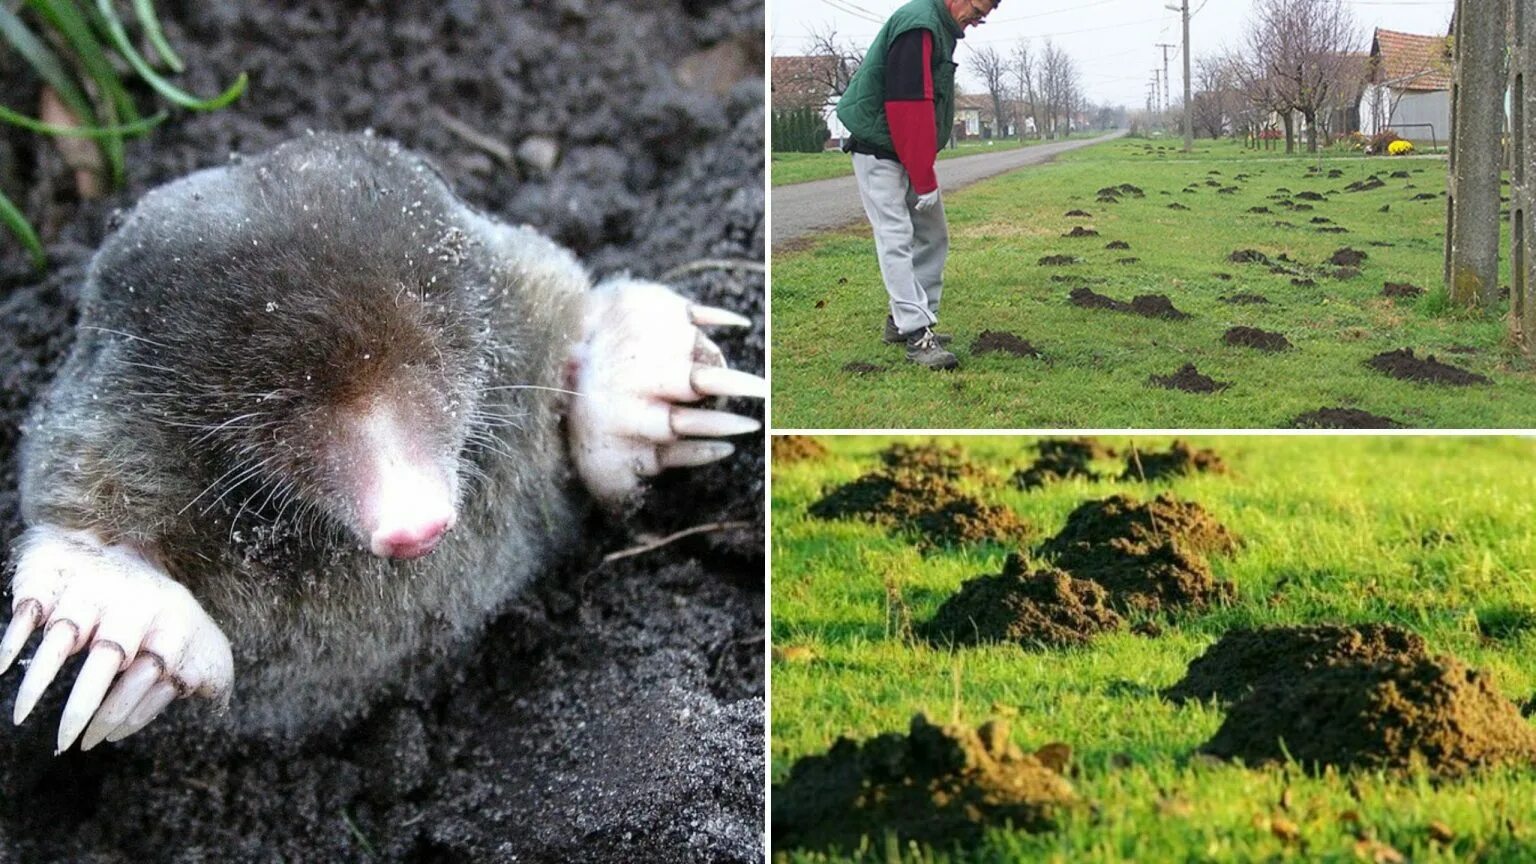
{"x": 927, "y": 202}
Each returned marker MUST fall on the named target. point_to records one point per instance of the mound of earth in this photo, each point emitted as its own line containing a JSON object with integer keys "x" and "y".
{"x": 1128, "y": 261}
{"x": 925, "y": 505}
{"x": 1366, "y": 185}
{"x": 1145, "y": 305}
{"x": 789, "y": 449}
{"x": 1080, "y": 231}
{"x": 1180, "y": 460}
{"x": 1435, "y": 713}
{"x": 1129, "y": 189}
{"x": 1310, "y": 196}
{"x": 1402, "y": 364}
{"x": 1082, "y": 213}
{"x": 1304, "y": 283}
{"x": 1252, "y": 337}
{"x": 1117, "y": 244}
{"x": 1401, "y": 289}
{"x": 1177, "y": 206}
{"x": 1188, "y": 379}
{"x": 1151, "y": 556}
{"x": 1062, "y": 459}
{"x": 1248, "y": 256}
{"x": 1041, "y": 609}
{"x": 1109, "y": 192}
{"x": 1244, "y": 299}
{"x": 859, "y": 367}
{"x": 1333, "y": 229}
{"x": 1264, "y": 210}
{"x": 931, "y": 459}
{"x": 1425, "y": 196}
{"x": 1008, "y": 343}
{"x": 1347, "y": 257}
{"x": 1342, "y": 418}
{"x": 939, "y": 785}
{"x": 1244, "y": 659}
{"x": 1059, "y": 260}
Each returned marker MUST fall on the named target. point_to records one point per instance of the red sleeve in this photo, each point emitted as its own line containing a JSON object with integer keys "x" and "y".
{"x": 909, "y": 106}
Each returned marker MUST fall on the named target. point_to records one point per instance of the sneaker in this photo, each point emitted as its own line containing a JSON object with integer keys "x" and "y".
{"x": 924, "y": 349}
{"x": 894, "y": 336}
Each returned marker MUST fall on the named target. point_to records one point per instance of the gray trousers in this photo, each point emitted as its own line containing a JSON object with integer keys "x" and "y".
{"x": 911, "y": 246}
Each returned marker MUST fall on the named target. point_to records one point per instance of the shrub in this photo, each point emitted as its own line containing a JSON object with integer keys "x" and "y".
{"x": 799, "y": 130}
{"x": 1400, "y": 148}
{"x": 1381, "y": 141}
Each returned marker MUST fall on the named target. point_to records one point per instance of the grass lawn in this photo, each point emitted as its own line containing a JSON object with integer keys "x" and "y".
{"x": 829, "y": 303}
{"x": 1431, "y": 534}
{"x": 789, "y": 168}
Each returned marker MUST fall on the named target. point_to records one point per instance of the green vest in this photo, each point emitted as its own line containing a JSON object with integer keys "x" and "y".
{"x": 862, "y": 108}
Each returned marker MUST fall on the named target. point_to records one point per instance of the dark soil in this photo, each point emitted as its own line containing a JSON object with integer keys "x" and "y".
{"x": 1310, "y": 196}
{"x": 1151, "y": 556}
{"x": 1041, "y": 609}
{"x": 1179, "y": 460}
{"x": 1333, "y": 229}
{"x": 1435, "y": 713}
{"x": 928, "y": 507}
{"x": 1008, "y": 343}
{"x": 1252, "y": 337}
{"x": 937, "y": 785}
{"x": 1304, "y": 283}
{"x": 1342, "y": 418}
{"x": 859, "y": 367}
{"x": 1128, "y": 261}
{"x": 1425, "y": 196}
{"x": 1059, "y": 260}
{"x": 1117, "y": 244}
{"x": 1177, "y": 206}
{"x": 1244, "y": 659}
{"x": 931, "y": 458}
{"x": 1188, "y": 379}
{"x": 789, "y": 449}
{"x": 1248, "y": 256}
{"x": 1225, "y": 277}
{"x": 1347, "y": 257}
{"x": 1079, "y": 213}
{"x": 614, "y": 712}
{"x": 1401, "y": 289}
{"x": 1263, "y": 210}
{"x": 1080, "y": 231}
{"x": 1402, "y": 364}
{"x": 1062, "y": 459}
{"x": 1145, "y": 305}
{"x": 1369, "y": 183}
{"x": 1244, "y": 299}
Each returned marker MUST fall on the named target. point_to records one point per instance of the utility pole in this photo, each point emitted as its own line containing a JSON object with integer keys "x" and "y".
{"x": 1157, "y": 89}
{"x": 1189, "y": 128}
{"x": 1166, "y": 46}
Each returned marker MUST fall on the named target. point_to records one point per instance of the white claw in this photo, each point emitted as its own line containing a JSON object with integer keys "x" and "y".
{"x": 126, "y": 694}
{"x": 28, "y": 614}
{"x": 720, "y": 381}
{"x": 699, "y": 422}
{"x": 703, "y": 316}
{"x": 91, "y": 685}
{"x": 58, "y": 643}
{"x": 159, "y": 696}
{"x": 689, "y": 454}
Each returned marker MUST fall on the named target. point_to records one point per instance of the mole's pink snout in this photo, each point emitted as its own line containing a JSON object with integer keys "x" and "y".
{"x": 408, "y": 501}
{"x": 410, "y": 540}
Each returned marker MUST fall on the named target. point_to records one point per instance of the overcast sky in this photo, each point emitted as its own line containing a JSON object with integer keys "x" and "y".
{"x": 1113, "y": 42}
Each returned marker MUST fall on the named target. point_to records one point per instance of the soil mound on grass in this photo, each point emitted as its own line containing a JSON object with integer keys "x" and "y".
{"x": 1062, "y": 459}
{"x": 1366, "y": 185}
{"x": 1059, "y": 260}
{"x": 1248, "y": 256}
{"x": 1180, "y": 460}
{"x": 1083, "y": 213}
{"x": 1146, "y": 305}
{"x": 1080, "y": 231}
{"x": 1342, "y": 418}
{"x": 940, "y": 785}
{"x": 1188, "y": 379}
{"x": 1244, "y": 659}
{"x": 1177, "y": 206}
{"x": 1151, "y": 556}
{"x": 1347, "y": 257}
{"x": 1253, "y": 337}
{"x": 1437, "y": 713}
{"x": 1310, "y": 196}
{"x": 1402, "y": 364}
{"x": 1041, "y": 609}
{"x": 1244, "y": 299}
{"x": 1401, "y": 289}
{"x": 1117, "y": 244}
{"x": 927, "y": 506}
{"x": 931, "y": 458}
{"x": 1008, "y": 343}
{"x": 789, "y": 449}
{"x": 1264, "y": 210}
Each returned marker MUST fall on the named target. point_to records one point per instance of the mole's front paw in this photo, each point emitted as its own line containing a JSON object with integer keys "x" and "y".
{"x": 641, "y": 354}
{"x": 142, "y": 628}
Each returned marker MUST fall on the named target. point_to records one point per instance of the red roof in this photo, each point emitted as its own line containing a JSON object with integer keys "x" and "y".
{"x": 803, "y": 81}
{"x": 1409, "y": 61}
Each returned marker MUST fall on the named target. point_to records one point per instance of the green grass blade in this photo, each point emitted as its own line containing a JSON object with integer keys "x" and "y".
{"x": 44, "y": 62}
{"x": 116, "y": 103}
{"x": 163, "y": 87}
{"x": 11, "y": 218}
{"x": 138, "y": 127}
{"x": 145, "y": 9}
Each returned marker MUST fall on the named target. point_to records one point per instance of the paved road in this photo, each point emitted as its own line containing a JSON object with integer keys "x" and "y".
{"x": 807, "y": 208}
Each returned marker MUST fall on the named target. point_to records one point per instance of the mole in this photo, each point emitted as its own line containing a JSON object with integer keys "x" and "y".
{"x": 321, "y": 420}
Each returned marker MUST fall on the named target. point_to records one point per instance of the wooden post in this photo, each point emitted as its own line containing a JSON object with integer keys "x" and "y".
{"x": 1477, "y": 121}
{"x": 1522, "y": 195}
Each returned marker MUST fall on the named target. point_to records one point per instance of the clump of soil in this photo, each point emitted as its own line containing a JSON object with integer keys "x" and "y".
{"x": 1304, "y": 283}
{"x": 1188, "y": 379}
{"x": 1253, "y": 337}
{"x": 1310, "y": 196}
{"x": 1244, "y": 299}
{"x": 938, "y": 785}
{"x": 928, "y": 506}
{"x": 1117, "y": 244}
{"x": 1135, "y": 191}
{"x": 1109, "y": 192}
{"x": 1008, "y": 343}
{"x": 1041, "y": 609}
{"x": 1146, "y": 305}
{"x": 1059, "y": 260}
{"x": 1436, "y": 713}
{"x": 789, "y": 449}
{"x": 1248, "y": 256}
{"x": 931, "y": 458}
{"x": 1177, "y": 206}
{"x": 1425, "y": 196}
{"x": 1342, "y": 418}
{"x": 1402, "y": 364}
{"x": 1062, "y": 459}
{"x": 1128, "y": 261}
{"x": 1366, "y": 185}
{"x": 1151, "y": 556}
{"x": 1180, "y": 460}
{"x": 1244, "y": 659}
{"x": 1401, "y": 289}
{"x": 1333, "y": 229}
{"x": 1083, "y": 213}
{"x": 1080, "y": 231}
{"x": 859, "y": 367}
{"x": 1347, "y": 257}
{"x": 1264, "y": 210}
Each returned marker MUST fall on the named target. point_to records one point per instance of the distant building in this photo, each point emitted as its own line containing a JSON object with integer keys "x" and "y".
{"x": 1410, "y": 86}
{"x": 811, "y": 81}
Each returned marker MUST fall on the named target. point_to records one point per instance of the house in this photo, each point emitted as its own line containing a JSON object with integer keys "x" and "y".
{"x": 1354, "y": 79}
{"x": 811, "y": 81}
{"x": 1410, "y": 86}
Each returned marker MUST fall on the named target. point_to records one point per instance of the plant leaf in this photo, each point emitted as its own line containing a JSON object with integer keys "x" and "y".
{"x": 145, "y": 9}
{"x": 11, "y": 218}
{"x": 138, "y": 127}
{"x": 163, "y": 87}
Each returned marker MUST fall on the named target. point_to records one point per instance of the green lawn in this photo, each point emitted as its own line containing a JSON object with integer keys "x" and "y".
{"x": 789, "y": 168}
{"x": 829, "y": 303}
{"x": 1432, "y": 534}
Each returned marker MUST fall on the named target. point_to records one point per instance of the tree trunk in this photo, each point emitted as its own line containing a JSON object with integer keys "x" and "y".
{"x": 1477, "y": 116}
{"x": 1311, "y": 118}
{"x": 1522, "y": 197}
{"x": 1290, "y": 132}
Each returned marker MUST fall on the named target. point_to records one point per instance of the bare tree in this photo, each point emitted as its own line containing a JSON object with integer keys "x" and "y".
{"x": 1058, "y": 79}
{"x": 993, "y": 69}
{"x": 1303, "y": 47}
{"x": 842, "y": 61}
{"x": 1025, "y": 82}
{"x": 1215, "y": 96}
